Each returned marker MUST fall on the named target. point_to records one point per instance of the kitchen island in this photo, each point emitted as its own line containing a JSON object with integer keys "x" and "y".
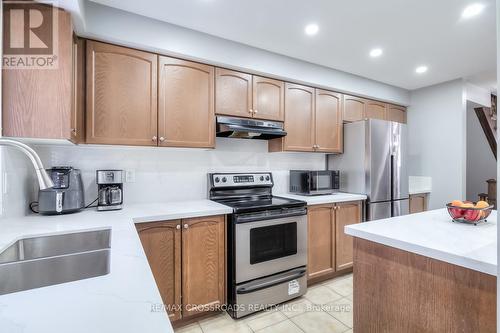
{"x": 425, "y": 273}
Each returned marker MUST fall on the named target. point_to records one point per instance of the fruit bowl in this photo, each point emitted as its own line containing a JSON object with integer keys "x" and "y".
{"x": 472, "y": 215}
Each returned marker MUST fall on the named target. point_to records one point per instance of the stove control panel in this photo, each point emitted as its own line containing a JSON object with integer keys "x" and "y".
{"x": 241, "y": 179}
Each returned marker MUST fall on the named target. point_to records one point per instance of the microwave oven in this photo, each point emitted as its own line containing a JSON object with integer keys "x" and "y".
{"x": 309, "y": 182}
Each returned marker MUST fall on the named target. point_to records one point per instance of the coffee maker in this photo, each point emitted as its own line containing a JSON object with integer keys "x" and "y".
{"x": 109, "y": 189}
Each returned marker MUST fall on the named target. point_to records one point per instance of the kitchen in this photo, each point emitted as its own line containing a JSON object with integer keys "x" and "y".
{"x": 155, "y": 120}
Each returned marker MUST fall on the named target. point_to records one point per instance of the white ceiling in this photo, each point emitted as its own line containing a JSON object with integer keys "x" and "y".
{"x": 411, "y": 33}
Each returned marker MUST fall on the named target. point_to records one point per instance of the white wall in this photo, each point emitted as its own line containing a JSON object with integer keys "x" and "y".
{"x": 481, "y": 164}
{"x": 116, "y": 26}
{"x": 437, "y": 140}
{"x": 162, "y": 174}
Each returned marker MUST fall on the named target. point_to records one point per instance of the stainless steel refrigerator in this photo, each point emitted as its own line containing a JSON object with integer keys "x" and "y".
{"x": 374, "y": 163}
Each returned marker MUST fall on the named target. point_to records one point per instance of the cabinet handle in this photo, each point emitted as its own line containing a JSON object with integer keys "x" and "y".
{"x": 255, "y": 111}
{"x": 73, "y": 130}
{"x": 178, "y": 227}
{"x": 154, "y": 138}
{"x": 250, "y": 111}
{"x": 186, "y": 226}
{"x": 162, "y": 139}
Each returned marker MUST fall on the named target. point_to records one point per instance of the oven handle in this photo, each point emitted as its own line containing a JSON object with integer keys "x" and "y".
{"x": 295, "y": 274}
{"x": 249, "y": 217}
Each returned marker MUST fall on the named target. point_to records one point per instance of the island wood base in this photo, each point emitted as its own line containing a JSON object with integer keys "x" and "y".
{"x": 399, "y": 291}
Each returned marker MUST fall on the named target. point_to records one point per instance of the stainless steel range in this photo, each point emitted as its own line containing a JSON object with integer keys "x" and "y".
{"x": 267, "y": 242}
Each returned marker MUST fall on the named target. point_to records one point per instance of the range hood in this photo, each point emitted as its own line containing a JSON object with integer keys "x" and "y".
{"x": 242, "y": 128}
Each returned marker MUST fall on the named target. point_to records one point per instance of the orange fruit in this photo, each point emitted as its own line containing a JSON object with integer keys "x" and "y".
{"x": 482, "y": 204}
{"x": 457, "y": 203}
{"x": 467, "y": 205}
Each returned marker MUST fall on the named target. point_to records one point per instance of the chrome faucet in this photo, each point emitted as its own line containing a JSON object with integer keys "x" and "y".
{"x": 43, "y": 178}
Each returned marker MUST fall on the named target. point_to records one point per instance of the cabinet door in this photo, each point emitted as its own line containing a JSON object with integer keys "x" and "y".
{"x": 186, "y": 104}
{"x": 162, "y": 244}
{"x": 203, "y": 262}
{"x": 121, "y": 95}
{"x": 418, "y": 203}
{"x": 78, "y": 91}
{"x": 36, "y": 103}
{"x": 299, "y": 117}
{"x": 345, "y": 214}
{"x": 321, "y": 241}
{"x": 375, "y": 110}
{"x": 354, "y": 108}
{"x": 396, "y": 113}
{"x": 233, "y": 94}
{"x": 328, "y": 121}
{"x": 268, "y": 99}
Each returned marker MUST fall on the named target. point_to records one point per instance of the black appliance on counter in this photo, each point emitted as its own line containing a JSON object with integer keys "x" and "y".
{"x": 66, "y": 196}
{"x": 267, "y": 242}
{"x": 309, "y": 182}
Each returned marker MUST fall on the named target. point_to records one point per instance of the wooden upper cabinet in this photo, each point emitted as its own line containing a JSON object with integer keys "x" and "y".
{"x": 186, "y": 104}
{"x": 233, "y": 94}
{"x": 375, "y": 110}
{"x": 121, "y": 95}
{"x": 37, "y": 103}
{"x": 203, "y": 263}
{"x": 244, "y": 95}
{"x": 354, "y": 108}
{"x": 162, "y": 244}
{"x": 268, "y": 99}
{"x": 328, "y": 120}
{"x": 299, "y": 118}
{"x": 321, "y": 241}
{"x": 78, "y": 92}
{"x": 396, "y": 113}
{"x": 345, "y": 214}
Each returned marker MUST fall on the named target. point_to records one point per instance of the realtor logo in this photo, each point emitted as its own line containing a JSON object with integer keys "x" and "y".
{"x": 29, "y": 35}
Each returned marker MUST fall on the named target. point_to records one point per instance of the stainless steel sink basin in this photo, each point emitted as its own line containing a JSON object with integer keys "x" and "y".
{"x": 47, "y": 260}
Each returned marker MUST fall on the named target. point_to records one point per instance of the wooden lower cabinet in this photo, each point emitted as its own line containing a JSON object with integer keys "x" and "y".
{"x": 418, "y": 203}
{"x": 329, "y": 249}
{"x": 203, "y": 264}
{"x": 187, "y": 258}
{"x": 345, "y": 214}
{"x": 321, "y": 241}
{"x": 162, "y": 244}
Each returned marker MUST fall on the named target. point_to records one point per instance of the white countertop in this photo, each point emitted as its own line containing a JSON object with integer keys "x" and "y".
{"x": 118, "y": 302}
{"x": 324, "y": 199}
{"x": 433, "y": 234}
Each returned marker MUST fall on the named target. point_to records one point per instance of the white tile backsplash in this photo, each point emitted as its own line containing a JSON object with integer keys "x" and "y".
{"x": 161, "y": 174}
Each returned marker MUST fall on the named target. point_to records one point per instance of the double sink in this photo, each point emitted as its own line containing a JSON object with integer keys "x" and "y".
{"x": 47, "y": 260}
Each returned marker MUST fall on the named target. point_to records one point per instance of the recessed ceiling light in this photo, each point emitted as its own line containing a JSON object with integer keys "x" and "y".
{"x": 472, "y": 10}
{"x": 311, "y": 29}
{"x": 421, "y": 69}
{"x": 376, "y": 53}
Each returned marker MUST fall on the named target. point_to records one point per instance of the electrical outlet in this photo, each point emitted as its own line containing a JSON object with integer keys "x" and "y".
{"x": 130, "y": 176}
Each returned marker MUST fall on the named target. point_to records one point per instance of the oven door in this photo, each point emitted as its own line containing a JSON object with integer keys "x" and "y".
{"x": 321, "y": 182}
{"x": 266, "y": 247}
